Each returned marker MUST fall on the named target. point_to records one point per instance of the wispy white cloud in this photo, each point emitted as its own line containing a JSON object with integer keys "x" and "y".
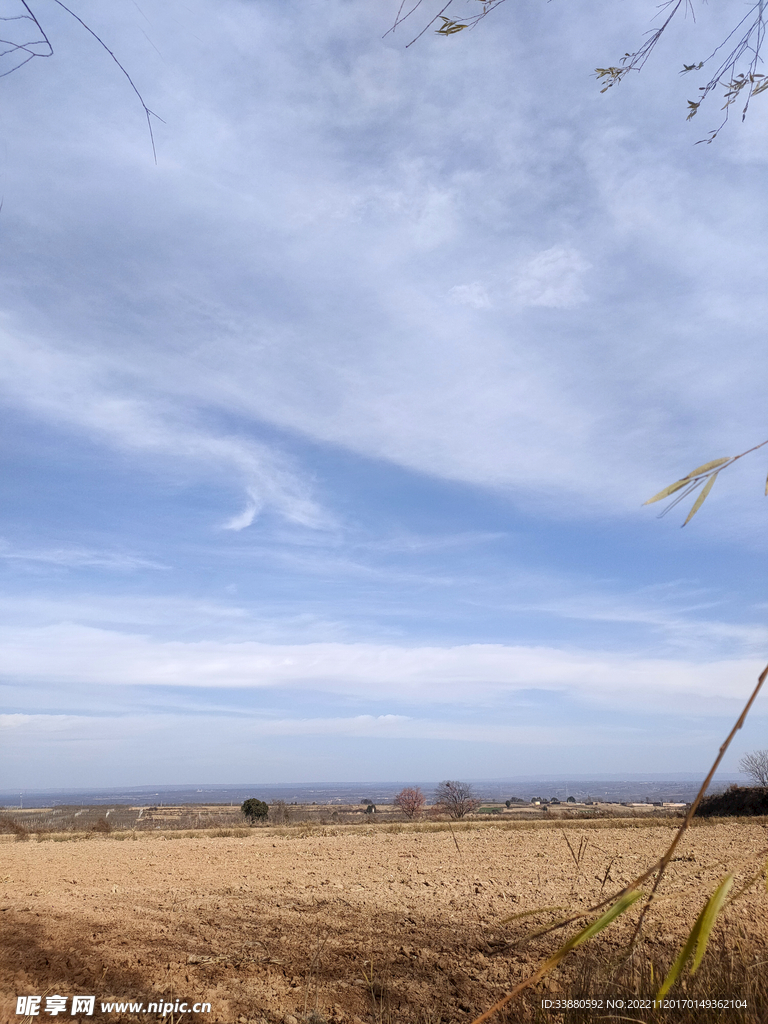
{"x": 375, "y": 726}
{"x": 461, "y": 674}
{"x": 244, "y": 519}
{"x": 685, "y": 621}
{"x": 172, "y": 615}
{"x": 41, "y": 722}
{"x": 423, "y": 543}
{"x": 429, "y": 258}
{"x": 305, "y": 300}
{"x": 79, "y": 558}
{"x": 92, "y": 396}
{"x": 245, "y": 748}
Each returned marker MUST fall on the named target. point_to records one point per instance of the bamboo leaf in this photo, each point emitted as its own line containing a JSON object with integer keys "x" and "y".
{"x": 688, "y": 477}
{"x": 610, "y": 915}
{"x": 699, "y": 935}
{"x": 712, "y": 909}
{"x": 678, "y": 965}
{"x": 449, "y": 27}
{"x": 766, "y": 487}
{"x": 669, "y": 490}
{"x": 622, "y": 904}
{"x": 701, "y": 498}
{"x": 707, "y": 466}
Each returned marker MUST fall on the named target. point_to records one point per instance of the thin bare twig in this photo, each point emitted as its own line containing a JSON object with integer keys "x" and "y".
{"x": 607, "y": 875}
{"x": 28, "y": 49}
{"x": 727, "y": 72}
{"x": 149, "y": 114}
{"x": 470, "y": 22}
{"x": 745, "y": 54}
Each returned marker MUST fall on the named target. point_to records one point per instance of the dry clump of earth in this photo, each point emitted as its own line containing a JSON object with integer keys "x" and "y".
{"x": 348, "y": 924}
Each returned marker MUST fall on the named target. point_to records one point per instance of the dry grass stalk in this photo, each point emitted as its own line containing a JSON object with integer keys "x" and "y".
{"x": 621, "y": 901}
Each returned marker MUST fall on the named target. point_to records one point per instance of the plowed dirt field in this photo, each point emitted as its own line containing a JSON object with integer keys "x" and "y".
{"x": 349, "y": 924}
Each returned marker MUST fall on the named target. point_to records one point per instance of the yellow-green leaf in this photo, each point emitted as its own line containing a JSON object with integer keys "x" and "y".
{"x": 610, "y": 915}
{"x": 678, "y": 965}
{"x": 709, "y": 914}
{"x": 766, "y": 487}
{"x": 700, "y": 500}
{"x": 706, "y": 467}
{"x": 668, "y": 490}
{"x": 699, "y": 935}
{"x": 688, "y": 477}
{"x": 622, "y": 904}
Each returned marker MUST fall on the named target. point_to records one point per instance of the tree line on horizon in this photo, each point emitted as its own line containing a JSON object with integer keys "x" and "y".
{"x": 458, "y": 799}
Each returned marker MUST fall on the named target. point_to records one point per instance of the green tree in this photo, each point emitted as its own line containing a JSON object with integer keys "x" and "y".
{"x": 255, "y": 810}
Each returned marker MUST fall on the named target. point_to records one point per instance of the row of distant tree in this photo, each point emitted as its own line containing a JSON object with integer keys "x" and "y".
{"x": 457, "y": 799}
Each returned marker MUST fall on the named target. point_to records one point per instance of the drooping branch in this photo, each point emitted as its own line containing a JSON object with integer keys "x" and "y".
{"x": 738, "y": 73}
{"x": 450, "y": 26}
{"x": 42, "y": 47}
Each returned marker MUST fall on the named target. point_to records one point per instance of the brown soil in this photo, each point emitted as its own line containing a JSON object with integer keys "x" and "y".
{"x": 352, "y": 924}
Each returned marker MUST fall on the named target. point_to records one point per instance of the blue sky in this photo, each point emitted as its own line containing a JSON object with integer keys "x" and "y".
{"x": 325, "y": 438}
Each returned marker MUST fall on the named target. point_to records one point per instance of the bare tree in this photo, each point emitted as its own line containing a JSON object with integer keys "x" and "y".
{"x": 456, "y": 798}
{"x": 755, "y": 765}
{"x": 279, "y": 813}
{"x": 410, "y": 801}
